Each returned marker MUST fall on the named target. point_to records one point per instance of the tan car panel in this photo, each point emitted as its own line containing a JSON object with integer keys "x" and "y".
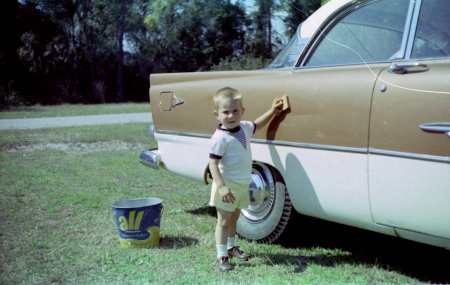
{"x": 196, "y": 115}
{"x": 329, "y": 106}
{"x": 407, "y": 102}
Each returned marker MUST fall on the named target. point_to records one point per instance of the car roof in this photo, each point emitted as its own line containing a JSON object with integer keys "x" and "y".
{"x": 310, "y": 26}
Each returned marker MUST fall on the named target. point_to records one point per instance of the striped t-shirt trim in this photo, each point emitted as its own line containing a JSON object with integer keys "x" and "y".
{"x": 215, "y": 156}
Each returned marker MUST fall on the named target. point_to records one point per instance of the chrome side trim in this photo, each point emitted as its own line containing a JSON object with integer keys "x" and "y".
{"x": 275, "y": 142}
{"x": 311, "y": 146}
{"x": 410, "y": 155}
{"x": 413, "y": 28}
{"x": 184, "y": 134}
{"x": 427, "y": 157}
{"x": 407, "y": 28}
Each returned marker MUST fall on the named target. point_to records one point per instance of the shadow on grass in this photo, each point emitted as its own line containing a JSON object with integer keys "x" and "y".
{"x": 423, "y": 262}
{"x": 301, "y": 263}
{"x": 206, "y": 210}
{"x": 175, "y": 242}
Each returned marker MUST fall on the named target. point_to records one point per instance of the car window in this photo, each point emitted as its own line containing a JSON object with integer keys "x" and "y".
{"x": 433, "y": 30}
{"x": 371, "y": 33}
{"x": 289, "y": 55}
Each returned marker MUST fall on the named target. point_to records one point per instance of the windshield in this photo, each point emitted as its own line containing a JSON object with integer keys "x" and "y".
{"x": 289, "y": 55}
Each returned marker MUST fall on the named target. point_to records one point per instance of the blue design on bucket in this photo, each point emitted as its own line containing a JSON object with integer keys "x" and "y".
{"x": 137, "y": 220}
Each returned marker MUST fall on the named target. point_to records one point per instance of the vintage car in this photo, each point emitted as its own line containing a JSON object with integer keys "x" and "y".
{"x": 366, "y": 141}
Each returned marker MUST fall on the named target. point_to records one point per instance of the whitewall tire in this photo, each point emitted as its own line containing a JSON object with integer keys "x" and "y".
{"x": 267, "y": 217}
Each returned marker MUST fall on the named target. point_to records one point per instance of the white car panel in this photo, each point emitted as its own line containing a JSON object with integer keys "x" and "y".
{"x": 339, "y": 196}
{"x": 411, "y": 194}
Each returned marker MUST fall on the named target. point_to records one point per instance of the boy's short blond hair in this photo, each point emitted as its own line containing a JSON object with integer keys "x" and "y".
{"x": 226, "y": 93}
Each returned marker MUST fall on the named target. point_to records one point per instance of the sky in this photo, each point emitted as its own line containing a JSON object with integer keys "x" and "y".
{"x": 277, "y": 21}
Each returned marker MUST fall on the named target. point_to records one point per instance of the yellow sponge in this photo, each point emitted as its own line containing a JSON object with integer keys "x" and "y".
{"x": 285, "y": 99}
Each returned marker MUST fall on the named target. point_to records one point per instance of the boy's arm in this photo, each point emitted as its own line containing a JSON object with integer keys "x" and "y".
{"x": 215, "y": 173}
{"x": 277, "y": 107}
{"x": 227, "y": 196}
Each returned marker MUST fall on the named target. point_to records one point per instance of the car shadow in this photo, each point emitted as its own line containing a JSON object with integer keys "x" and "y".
{"x": 423, "y": 262}
{"x": 205, "y": 210}
{"x": 301, "y": 263}
{"x": 176, "y": 242}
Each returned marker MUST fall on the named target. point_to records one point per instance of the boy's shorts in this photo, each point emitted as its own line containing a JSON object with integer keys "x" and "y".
{"x": 241, "y": 194}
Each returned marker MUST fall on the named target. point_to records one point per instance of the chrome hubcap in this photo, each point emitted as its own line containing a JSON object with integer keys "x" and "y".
{"x": 262, "y": 193}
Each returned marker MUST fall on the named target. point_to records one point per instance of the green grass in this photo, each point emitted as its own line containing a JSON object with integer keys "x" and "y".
{"x": 129, "y": 133}
{"x": 39, "y": 111}
{"x": 56, "y": 224}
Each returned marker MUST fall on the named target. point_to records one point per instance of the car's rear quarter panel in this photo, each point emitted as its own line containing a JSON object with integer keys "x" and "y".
{"x": 193, "y": 122}
{"x": 197, "y": 89}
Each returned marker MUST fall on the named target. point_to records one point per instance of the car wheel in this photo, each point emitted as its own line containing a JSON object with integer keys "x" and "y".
{"x": 270, "y": 207}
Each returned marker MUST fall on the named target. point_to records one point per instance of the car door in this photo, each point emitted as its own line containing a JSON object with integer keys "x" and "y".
{"x": 331, "y": 96}
{"x": 409, "y": 157}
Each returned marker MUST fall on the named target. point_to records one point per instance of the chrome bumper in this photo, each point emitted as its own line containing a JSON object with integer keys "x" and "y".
{"x": 151, "y": 157}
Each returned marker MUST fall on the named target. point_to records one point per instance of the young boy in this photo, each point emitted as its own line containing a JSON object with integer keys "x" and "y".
{"x": 230, "y": 164}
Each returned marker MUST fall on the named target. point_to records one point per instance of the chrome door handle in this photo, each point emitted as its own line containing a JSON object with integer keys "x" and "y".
{"x": 410, "y": 67}
{"x": 437, "y": 127}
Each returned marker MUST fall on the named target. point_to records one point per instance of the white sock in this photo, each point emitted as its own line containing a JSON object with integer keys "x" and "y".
{"x": 231, "y": 241}
{"x": 221, "y": 250}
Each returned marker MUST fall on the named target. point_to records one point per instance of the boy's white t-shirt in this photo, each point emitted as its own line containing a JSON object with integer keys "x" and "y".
{"x": 232, "y": 147}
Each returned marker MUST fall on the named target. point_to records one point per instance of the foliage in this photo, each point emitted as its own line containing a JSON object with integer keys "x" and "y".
{"x": 69, "y": 48}
{"x": 261, "y": 45}
{"x": 241, "y": 63}
{"x": 297, "y": 12}
{"x": 96, "y": 51}
{"x": 193, "y": 35}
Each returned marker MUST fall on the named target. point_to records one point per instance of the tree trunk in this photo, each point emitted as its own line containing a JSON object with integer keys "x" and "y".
{"x": 9, "y": 60}
{"x": 120, "y": 33}
{"x": 269, "y": 31}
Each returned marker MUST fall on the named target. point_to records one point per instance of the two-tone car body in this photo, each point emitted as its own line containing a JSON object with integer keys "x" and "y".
{"x": 367, "y": 139}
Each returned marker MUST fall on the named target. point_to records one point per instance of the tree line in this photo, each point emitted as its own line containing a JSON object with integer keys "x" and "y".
{"x": 96, "y": 51}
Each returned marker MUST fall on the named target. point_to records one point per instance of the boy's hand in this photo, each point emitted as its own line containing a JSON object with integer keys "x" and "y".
{"x": 278, "y": 105}
{"x": 226, "y": 194}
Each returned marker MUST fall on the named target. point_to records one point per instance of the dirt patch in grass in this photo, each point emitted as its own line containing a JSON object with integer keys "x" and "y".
{"x": 77, "y": 147}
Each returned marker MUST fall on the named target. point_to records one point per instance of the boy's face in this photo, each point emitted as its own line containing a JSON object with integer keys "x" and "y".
{"x": 229, "y": 113}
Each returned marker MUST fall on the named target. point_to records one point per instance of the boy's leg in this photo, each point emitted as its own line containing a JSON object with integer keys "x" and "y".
{"x": 221, "y": 234}
{"x": 233, "y": 220}
{"x": 242, "y": 197}
{"x": 223, "y": 225}
{"x": 231, "y": 235}
{"x": 234, "y": 250}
